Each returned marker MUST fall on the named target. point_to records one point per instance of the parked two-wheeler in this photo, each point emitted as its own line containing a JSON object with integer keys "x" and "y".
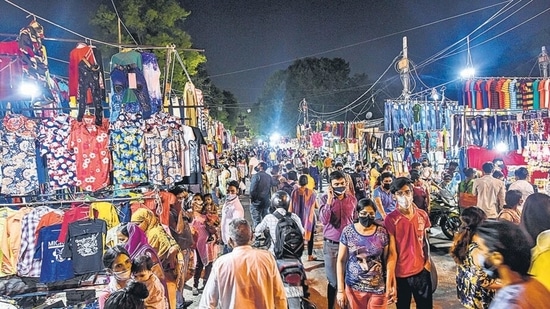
{"x": 444, "y": 211}
{"x": 293, "y": 274}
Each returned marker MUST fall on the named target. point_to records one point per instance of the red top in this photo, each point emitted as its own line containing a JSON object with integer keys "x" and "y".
{"x": 409, "y": 238}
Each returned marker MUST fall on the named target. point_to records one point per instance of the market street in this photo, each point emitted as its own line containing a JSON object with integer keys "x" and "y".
{"x": 444, "y": 296}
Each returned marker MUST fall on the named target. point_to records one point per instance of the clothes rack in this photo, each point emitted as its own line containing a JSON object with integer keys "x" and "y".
{"x": 83, "y": 201}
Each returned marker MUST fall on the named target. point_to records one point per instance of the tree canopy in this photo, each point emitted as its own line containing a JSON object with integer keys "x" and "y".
{"x": 326, "y": 84}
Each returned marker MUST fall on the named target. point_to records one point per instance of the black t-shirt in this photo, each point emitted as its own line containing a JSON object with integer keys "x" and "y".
{"x": 84, "y": 245}
{"x": 359, "y": 184}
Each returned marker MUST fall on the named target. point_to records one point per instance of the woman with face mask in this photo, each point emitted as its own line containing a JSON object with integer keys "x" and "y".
{"x": 118, "y": 264}
{"x": 134, "y": 240}
{"x": 166, "y": 247}
{"x": 362, "y": 257}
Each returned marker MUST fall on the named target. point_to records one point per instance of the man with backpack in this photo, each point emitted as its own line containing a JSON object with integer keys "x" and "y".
{"x": 285, "y": 228}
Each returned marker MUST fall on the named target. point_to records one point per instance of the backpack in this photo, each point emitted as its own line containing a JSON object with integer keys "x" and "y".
{"x": 290, "y": 241}
{"x": 287, "y": 187}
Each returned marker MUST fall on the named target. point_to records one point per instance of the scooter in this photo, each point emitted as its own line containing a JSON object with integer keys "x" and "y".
{"x": 293, "y": 275}
{"x": 444, "y": 211}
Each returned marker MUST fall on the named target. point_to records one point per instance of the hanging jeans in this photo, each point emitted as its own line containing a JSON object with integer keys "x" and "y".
{"x": 89, "y": 91}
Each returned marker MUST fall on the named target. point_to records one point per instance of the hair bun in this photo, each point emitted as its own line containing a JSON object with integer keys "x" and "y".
{"x": 137, "y": 289}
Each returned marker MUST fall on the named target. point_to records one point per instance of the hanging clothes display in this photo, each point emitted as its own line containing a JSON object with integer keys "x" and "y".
{"x": 61, "y": 163}
{"x": 89, "y": 143}
{"x": 19, "y": 169}
{"x": 127, "y": 138}
{"x": 84, "y": 245}
{"x": 151, "y": 73}
{"x": 190, "y": 103}
{"x": 54, "y": 266}
{"x": 27, "y": 266}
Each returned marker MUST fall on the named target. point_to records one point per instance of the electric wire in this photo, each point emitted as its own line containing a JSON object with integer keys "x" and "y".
{"x": 120, "y": 21}
{"x": 57, "y": 25}
{"x": 362, "y": 42}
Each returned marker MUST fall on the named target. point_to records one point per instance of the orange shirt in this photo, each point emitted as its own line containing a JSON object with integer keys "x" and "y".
{"x": 327, "y": 162}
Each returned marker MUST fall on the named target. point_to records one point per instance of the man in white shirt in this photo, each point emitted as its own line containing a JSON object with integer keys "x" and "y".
{"x": 490, "y": 192}
{"x": 244, "y": 278}
{"x": 522, "y": 185}
{"x": 232, "y": 208}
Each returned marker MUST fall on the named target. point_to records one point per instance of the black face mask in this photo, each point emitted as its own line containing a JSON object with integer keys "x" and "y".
{"x": 386, "y": 186}
{"x": 339, "y": 190}
{"x": 366, "y": 221}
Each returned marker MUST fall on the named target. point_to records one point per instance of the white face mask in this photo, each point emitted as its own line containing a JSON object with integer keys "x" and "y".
{"x": 122, "y": 275}
{"x": 231, "y": 196}
{"x": 403, "y": 202}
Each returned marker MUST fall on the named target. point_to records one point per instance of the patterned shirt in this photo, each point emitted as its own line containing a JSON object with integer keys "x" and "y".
{"x": 19, "y": 170}
{"x": 27, "y": 266}
{"x": 54, "y": 137}
{"x": 364, "y": 268}
{"x": 93, "y": 158}
{"x": 128, "y": 156}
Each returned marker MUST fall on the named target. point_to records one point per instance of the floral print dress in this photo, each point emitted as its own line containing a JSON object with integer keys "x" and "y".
{"x": 471, "y": 283}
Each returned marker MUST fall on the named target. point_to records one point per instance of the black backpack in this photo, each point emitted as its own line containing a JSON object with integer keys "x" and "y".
{"x": 290, "y": 241}
{"x": 288, "y": 188}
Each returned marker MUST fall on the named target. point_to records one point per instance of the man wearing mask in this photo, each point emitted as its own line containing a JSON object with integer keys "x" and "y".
{"x": 340, "y": 167}
{"x": 359, "y": 181}
{"x": 383, "y": 198}
{"x": 260, "y": 193}
{"x": 408, "y": 262}
{"x": 336, "y": 212}
{"x": 232, "y": 208}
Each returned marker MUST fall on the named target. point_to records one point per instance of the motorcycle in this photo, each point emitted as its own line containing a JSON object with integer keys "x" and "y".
{"x": 444, "y": 211}
{"x": 293, "y": 273}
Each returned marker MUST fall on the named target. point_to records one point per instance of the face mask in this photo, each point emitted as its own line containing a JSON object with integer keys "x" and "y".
{"x": 386, "y": 186}
{"x": 122, "y": 275}
{"x": 366, "y": 221}
{"x": 489, "y": 269}
{"x": 403, "y": 202}
{"x": 339, "y": 190}
{"x": 231, "y": 196}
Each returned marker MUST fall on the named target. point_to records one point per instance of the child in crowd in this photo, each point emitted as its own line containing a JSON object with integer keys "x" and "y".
{"x": 141, "y": 270}
{"x": 212, "y": 218}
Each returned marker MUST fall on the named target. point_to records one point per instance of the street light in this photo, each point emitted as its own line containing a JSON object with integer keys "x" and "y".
{"x": 468, "y": 72}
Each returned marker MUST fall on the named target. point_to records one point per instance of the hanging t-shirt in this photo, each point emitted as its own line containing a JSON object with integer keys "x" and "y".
{"x": 84, "y": 244}
{"x": 54, "y": 266}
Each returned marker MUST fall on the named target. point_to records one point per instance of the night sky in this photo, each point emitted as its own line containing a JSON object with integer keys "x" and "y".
{"x": 245, "y": 41}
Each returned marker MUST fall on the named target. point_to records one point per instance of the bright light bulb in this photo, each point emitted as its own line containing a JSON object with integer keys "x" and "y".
{"x": 501, "y": 147}
{"x": 468, "y": 72}
{"x": 29, "y": 89}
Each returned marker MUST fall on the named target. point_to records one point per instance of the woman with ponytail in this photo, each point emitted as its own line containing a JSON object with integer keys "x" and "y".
{"x": 475, "y": 289}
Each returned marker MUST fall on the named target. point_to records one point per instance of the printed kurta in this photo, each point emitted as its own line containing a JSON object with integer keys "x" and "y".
{"x": 164, "y": 155}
